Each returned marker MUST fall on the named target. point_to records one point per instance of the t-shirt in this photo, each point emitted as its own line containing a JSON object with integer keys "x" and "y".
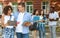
{"x": 36, "y": 18}
{"x": 54, "y": 16}
{"x": 19, "y": 27}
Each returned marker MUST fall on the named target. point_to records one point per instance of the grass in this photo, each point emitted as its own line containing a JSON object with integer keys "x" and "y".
{"x": 57, "y": 28}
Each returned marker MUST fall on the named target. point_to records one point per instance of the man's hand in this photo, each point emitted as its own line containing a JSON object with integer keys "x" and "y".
{"x": 41, "y": 21}
{"x": 18, "y": 22}
{"x": 54, "y": 19}
{"x": 51, "y": 19}
{"x": 27, "y": 23}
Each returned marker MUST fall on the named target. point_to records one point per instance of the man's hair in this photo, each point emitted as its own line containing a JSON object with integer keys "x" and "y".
{"x": 22, "y": 4}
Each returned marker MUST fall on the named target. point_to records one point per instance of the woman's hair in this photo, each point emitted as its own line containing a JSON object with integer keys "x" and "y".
{"x": 35, "y": 11}
{"x": 0, "y": 16}
{"x": 6, "y": 9}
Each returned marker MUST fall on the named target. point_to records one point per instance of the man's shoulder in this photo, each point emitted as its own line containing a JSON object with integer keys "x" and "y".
{"x": 28, "y": 13}
{"x": 15, "y": 12}
{"x": 56, "y": 12}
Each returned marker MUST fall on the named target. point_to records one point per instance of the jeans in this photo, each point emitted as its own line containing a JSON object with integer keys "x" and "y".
{"x": 41, "y": 27}
{"x": 53, "y": 31}
{"x": 8, "y": 33}
{"x": 20, "y": 35}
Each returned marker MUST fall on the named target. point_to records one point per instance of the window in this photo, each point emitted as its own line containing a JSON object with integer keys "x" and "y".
{"x": 45, "y": 6}
{"x": 1, "y": 9}
{"x": 14, "y": 8}
{"x": 29, "y": 7}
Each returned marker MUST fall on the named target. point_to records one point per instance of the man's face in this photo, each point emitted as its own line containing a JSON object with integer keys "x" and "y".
{"x": 52, "y": 10}
{"x": 20, "y": 8}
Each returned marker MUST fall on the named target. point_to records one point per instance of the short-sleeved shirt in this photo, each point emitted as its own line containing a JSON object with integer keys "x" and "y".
{"x": 54, "y": 16}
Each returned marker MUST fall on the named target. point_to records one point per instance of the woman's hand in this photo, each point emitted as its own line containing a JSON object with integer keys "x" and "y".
{"x": 41, "y": 20}
{"x": 4, "y": 25}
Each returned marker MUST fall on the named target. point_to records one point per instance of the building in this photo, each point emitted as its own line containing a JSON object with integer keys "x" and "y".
{"x": 36, "y": 4}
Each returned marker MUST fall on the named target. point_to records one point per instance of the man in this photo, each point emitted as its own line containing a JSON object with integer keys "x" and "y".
{"x": 53, "y": 18}
{"x": 22, "y": 16}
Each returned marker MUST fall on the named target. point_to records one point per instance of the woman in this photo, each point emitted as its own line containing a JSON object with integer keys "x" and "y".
{"x": 42, "y": 25}
{"x": 35, "y": 17}
{"x": 8, "y": 30}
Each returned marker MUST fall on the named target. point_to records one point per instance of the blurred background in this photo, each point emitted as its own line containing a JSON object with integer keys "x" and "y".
{"x": 30, "y": 6}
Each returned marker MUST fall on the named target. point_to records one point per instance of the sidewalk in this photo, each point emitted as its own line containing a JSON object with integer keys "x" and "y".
{"x": 47, "y": 35}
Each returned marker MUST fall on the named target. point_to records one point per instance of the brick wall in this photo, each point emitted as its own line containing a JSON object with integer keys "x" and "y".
{"x": 37, "y": 4}
{"x": 56, "y": 4}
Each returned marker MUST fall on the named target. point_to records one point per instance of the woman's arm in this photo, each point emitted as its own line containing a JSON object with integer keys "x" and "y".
{"x": 2, "y": 21}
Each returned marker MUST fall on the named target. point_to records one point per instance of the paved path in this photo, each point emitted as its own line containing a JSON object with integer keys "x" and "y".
{"x": 47, "y": 35}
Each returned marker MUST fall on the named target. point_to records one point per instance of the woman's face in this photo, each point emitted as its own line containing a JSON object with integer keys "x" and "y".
{"x": 41, "y": 12}
{"x": 9, "y": 11}
{"x": 37, "y": 12}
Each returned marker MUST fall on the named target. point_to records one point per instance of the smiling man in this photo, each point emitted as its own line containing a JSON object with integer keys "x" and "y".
{"x": 22, "y": 17}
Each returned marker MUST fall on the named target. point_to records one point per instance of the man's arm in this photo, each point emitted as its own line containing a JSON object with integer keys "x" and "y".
{"x": 48, "y": 16}
{"x": 51, "y": 19}
{"x": 27, "y": 20}
{"x": 57, "y": 17}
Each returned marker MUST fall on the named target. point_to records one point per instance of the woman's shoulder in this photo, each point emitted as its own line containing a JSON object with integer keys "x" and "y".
{"x": 3, "y": 15}
{"x": 33, "y": 15}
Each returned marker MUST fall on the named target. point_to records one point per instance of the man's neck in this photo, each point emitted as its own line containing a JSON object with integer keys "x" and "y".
{"x": 21, "y": 11}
